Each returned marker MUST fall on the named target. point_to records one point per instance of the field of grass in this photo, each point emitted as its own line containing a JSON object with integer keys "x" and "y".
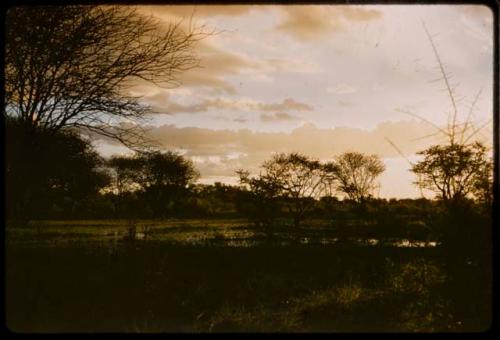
{"x": 157, "y": 284}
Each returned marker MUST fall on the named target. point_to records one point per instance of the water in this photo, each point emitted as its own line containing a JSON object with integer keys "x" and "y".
{"x": 196, "y": 232}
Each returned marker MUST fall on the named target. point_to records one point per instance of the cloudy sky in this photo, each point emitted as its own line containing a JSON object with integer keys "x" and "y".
{"x": 321, "y": 80}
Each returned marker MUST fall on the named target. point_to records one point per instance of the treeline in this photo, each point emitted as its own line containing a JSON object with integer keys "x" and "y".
{"x": 60, "y": 176}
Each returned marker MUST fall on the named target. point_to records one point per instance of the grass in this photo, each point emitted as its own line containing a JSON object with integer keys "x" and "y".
{"x": 155, "y": 285}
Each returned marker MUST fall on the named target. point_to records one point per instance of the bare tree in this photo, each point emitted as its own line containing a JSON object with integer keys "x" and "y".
{"x": 356, "y": 174}
{"x": 72, "y": 66}
{"x": 459, "y": 130}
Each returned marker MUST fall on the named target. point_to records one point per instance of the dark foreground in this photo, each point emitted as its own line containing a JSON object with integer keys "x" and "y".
{"x": 157, "y": 286}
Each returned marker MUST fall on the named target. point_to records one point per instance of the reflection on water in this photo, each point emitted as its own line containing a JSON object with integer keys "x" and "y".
{"x": 222, "y": 234}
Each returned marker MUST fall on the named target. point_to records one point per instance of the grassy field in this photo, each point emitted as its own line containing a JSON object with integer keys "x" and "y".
{"x": 92, "y": 276}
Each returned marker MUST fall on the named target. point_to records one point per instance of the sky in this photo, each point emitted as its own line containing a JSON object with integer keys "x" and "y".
{"x": 321, "y": 80}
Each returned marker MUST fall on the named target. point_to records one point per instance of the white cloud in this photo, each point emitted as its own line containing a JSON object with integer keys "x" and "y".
{"x": 342, "y": 89}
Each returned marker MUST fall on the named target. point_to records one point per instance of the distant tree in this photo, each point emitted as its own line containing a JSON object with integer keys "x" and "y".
{"x": 356, "y": 174}
{"x": 72, "y": 66}
{"x": 124, "y": 170}
{"x": 164, "y": 179}
{"x": 294, "y": 177}
{"x": 455, "y": 171}
{"x": 217, "y": 198}
{"x": 259, "y": 203}
{"x": 161, "y": 179}
{"x": 166, "y": 169}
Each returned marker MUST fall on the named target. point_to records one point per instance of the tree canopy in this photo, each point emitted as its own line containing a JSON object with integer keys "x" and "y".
{"x": 295, "y": 177}
{"x": 455, "y": 171}
{"x": 356, "y": 174}
{"x": 72, "y": 66}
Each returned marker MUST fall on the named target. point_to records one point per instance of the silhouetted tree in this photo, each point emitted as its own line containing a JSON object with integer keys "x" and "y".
{"x": 63, "y": 171}
{"x": 125, "y": 171}
{"x": 294, "y": 177}
{"x": 356, "y": 174}
{"x": 483, "y": 185}
{"x": 161, "y": 179}
{"x": 455, "y": 171}
{"x": 259, "y": 203}
{"x": 164, "y": 178}
{"x": 216, "y": 199}
{"x": 72, "y": 66}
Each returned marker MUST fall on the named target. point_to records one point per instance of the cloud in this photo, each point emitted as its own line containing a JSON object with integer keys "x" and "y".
{"x": 307, "y": 22}
{"x": 287, "y": 104}
{"x": 219, "y": 153}
{"x": 217, "y": 63}
{"x": 161, "y": 102}
{"x": 288, "y": 65}
{"x": 240, "y": 120}
{"x": 342, "y": 89}
{"x": 186, "y": 11}
{"x": 344, "y": 103}
{"x": 278, "y": 116}
{"x": 309, "y": 139}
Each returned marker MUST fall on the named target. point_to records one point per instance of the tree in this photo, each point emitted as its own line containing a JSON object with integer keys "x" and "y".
{"x": 64, "y": 171}
{"x": 294, "y": 177}
{"x": 356, "y": 174}
{"x": 124, "y": 173}
{"x": 455, "y": 171}
{"x": 260, "y": 201}
{"x": 450, "y": 169}
{"x": 459, "y": 168}
{"x": 71, "y": 66}
{"x": 216, "y": 199}
{"x": 164, "y": 178}
{"x": 483, "y": 185}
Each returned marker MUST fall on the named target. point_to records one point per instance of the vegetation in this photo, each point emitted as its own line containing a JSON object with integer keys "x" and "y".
{"x": 294, "y": 178}
{"x": 455, "y": 171}
{"x": 357, "y": 173}
{"x": 156, "y": 287}
{"x": 157, "y": 251}
{"x": 72, "y": 66}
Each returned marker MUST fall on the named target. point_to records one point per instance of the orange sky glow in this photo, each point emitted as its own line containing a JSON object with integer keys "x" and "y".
{"x": 321, "y": 80}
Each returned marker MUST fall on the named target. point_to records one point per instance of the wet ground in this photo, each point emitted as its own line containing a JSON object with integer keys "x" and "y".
{"x": 237, "y": 233}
